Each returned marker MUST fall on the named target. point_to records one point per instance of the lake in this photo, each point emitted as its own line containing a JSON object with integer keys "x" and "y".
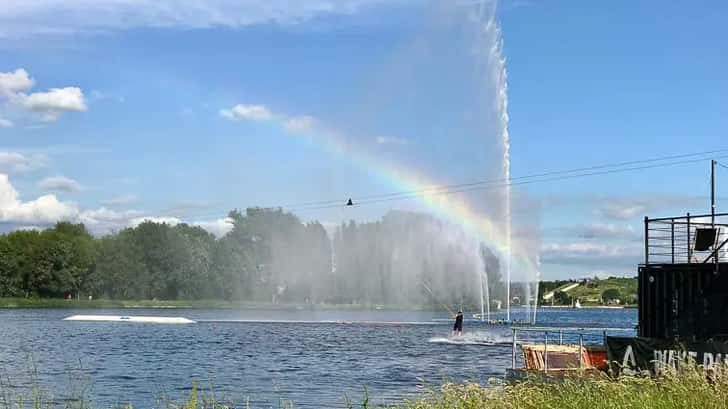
{"x": 312, "y": 358}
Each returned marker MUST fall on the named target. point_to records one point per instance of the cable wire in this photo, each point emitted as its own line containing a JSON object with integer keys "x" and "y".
{"x": 551, "y": 176}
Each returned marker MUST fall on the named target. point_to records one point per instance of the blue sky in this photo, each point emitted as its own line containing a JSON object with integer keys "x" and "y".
{"x": 135, "y": 126}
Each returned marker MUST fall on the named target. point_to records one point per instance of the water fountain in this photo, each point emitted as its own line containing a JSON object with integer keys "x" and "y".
{"x": 434, "y": 113}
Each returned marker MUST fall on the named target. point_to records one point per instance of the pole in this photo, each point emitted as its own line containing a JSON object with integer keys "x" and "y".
{"x": 513, "y": 350}
{"x": 712, "y": 194}
{"x": 546, "y": 352}
{"x": 690, "y": 247}
{"x": 581, "y": 351}
{"x": 647, "y": 241}
{"x": 712, "y": 212}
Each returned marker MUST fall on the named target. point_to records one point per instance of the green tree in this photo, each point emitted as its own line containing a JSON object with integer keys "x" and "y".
{"x": 562, "y": 298}
{"x": 611, "y": 294}
{"x": 79, "y": 256}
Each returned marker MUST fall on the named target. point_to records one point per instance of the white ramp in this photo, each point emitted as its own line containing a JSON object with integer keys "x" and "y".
{"x": 127, "y": 318}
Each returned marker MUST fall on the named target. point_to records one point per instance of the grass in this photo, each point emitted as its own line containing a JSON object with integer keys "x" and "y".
{"x": 591, "y": 294}
{"x": 690, "y": 389}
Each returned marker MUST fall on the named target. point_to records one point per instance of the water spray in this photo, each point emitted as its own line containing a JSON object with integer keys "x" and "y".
{"x": 482, "y": 306}
{"x": 435, "y": 298}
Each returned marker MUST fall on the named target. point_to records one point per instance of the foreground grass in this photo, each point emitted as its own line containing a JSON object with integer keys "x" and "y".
{"x": 688, "y": 390}
{"x": 691, "y": 389}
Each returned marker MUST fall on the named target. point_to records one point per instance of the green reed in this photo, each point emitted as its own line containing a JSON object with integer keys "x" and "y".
{"x": 690, "y": 388}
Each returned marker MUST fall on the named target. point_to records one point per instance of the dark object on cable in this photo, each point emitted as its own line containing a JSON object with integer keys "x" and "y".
{"x": 349, "y": 202}
{"x": 704, "y": 239}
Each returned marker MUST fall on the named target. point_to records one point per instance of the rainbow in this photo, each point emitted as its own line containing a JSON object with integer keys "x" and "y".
{"x": 453, "y": 208}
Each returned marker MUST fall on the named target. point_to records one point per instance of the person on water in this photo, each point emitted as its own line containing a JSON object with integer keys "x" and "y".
{"x": 457, "y": 329}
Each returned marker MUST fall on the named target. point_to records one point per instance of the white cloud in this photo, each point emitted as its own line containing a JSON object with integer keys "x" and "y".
{"x": 46, "y": 209}
{"x": 604, "y": 231}
{"x": 14, "y": 162}
{"x": 59, "y": 184}
{"x": 103, "y": 220}
{"x": 623, "y": 212}
{"x": 294, "y": 124}
{"x": 34, "y": 18}
{"x": 123, "y": 200}
{"x": 104, "y": 214}
{"x": 218, "y": 227}
{"x": 591, "y": 254}
{"x": 242, "y": 112}
{"x": 12, "y": 82}
{"x": 6, "y": 123}
{"x": 634, "y": 208}
{"x": 55, "y": 100}
{"x": 172, "y": 221}
{"x": 49, "y": 105}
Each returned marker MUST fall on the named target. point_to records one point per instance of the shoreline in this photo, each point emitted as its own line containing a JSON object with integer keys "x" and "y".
{"x": 59, "y": 303}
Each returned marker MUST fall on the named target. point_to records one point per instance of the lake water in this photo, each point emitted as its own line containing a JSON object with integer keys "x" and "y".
{"x": 312, "y": 358}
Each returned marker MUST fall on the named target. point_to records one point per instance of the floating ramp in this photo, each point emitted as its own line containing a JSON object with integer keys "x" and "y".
{"x": 128, "y": 318}
{"x": 337, "y": 322}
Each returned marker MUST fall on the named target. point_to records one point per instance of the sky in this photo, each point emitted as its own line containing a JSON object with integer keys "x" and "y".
{"x": 116, "y": 111}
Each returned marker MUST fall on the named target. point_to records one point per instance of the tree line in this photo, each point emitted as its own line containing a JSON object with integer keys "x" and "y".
{"x": 268, "y": 256}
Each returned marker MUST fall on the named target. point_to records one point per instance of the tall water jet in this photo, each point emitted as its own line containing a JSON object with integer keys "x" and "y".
{"x": 487, "y": 290}
{"x": 499, "y": 78}
{"x": 502, "y": 101}
{"x": 484, "y": 293}
{"x": 535, "y": 303}
{"x": 482, "y": 298}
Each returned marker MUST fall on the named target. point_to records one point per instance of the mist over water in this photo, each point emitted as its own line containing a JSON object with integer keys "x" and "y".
{"x": 432, "y": 112}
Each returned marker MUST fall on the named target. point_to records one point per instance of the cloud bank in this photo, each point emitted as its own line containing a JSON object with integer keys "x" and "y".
{"x": 33, "y": 18}
{"x": 46, "y": 210}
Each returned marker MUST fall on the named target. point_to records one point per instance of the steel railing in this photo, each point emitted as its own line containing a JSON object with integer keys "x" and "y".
{"x": 671, "y": 240}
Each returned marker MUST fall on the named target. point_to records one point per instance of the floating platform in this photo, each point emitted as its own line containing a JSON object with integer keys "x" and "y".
{"x": 127, "y": 318}
{"x": 333, "y": 322}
